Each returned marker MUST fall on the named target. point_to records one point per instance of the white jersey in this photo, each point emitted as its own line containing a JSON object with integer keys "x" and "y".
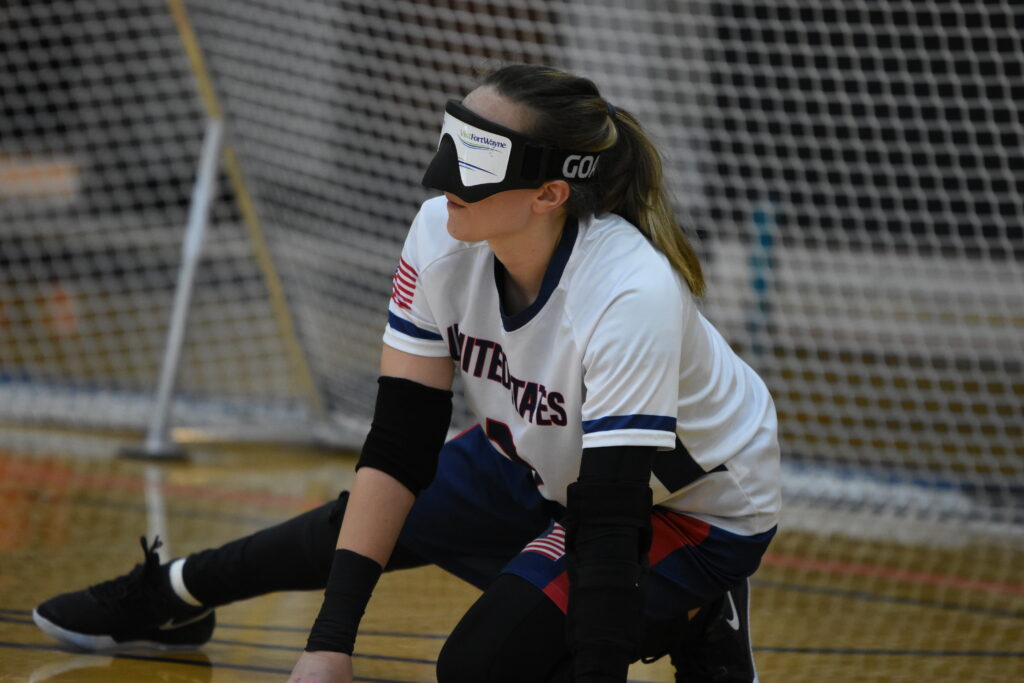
{"x": 614, "y": 352}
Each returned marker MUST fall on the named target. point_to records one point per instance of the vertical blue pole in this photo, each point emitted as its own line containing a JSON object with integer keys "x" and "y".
{"x": 761, "y": 264}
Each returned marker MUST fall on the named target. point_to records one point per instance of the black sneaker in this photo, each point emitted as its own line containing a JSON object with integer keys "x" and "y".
{"x": 720, "y": 650}
{"x": 137, "y": 610}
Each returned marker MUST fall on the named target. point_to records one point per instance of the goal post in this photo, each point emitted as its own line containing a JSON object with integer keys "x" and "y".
{"x": 158, "y": 443}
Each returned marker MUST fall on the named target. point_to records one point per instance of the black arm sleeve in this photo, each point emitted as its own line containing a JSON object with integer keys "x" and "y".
{"x": 410, "y": 423}
{"x": 349, "y": 585}
{"x": 608, "y": 534}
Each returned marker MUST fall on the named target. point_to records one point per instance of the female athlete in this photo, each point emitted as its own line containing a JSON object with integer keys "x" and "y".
{"x": 622, "y": 481}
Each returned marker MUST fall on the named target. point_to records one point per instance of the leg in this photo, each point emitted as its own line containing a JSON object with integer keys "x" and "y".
{"x": 294, "y": 555}
{"x": 478, "y": 512}
{"x": 144, "y": 609}
{"x": 717, "y": 648}
{"x": 696, "y": 570}
{"x": 512, "y": 634}
{"x": 707, "y": 567}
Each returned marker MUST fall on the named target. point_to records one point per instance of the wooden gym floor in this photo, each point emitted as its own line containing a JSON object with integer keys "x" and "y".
{"x": 826, "y": 606}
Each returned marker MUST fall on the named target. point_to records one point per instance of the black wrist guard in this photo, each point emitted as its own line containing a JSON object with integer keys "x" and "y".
{"x": 349, "y": 586}
{"x": 410, "y": 423}
{"x": 608, "y": 534}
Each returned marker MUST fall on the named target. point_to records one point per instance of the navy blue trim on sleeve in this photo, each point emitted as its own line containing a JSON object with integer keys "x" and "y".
{"x": 406, "y": 327}
{"x": 659, "y": 423}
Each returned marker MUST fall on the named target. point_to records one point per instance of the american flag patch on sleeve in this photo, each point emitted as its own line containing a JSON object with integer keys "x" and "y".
{"x": 551, "y": 545}
{"x": 403, "y": 285}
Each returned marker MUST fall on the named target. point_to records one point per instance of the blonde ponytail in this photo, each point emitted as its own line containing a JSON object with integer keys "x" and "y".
{"x": 570, "y": 113}
{"x": 639, "y": 196}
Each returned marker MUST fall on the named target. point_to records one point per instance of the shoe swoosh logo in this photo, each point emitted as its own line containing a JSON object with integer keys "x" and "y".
{"x": 173, "y": 623}
{"x": 734, "y": 620}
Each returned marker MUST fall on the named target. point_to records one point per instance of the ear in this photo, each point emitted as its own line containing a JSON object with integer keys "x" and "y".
{"x": 550, "y": 196}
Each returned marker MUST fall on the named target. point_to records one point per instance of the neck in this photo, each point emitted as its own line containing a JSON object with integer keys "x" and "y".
{"x": 525, "y": 256}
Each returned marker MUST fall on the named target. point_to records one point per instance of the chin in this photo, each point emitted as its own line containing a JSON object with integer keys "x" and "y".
{"x": 455, "y": 232}
{"x": 460, "y": 227}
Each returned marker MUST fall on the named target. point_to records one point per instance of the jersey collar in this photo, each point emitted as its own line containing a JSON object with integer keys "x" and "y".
{"x": 552, "y": 276}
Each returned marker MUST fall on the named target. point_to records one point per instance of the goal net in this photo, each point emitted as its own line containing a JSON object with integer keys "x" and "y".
{"x": 851, "y": 173}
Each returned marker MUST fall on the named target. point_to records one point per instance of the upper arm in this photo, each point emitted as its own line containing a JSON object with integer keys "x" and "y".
{"x": 433, "y": 371}
{"x": 617, "y": 463}
{"x": 414, "y": 331}
{"x": 631, "y": 371}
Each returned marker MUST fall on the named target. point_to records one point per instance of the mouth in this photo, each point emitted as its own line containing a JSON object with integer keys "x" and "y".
{"x": 453, "y": 203}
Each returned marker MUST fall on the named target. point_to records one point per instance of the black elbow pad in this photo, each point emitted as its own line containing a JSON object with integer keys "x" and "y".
{"x": 410, "y": 423}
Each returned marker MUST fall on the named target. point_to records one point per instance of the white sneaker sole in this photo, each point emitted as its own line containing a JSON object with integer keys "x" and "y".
{"x": 83, "y": 641}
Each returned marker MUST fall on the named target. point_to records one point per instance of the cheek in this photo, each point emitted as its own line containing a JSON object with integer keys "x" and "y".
{"x": 512, "y": 208}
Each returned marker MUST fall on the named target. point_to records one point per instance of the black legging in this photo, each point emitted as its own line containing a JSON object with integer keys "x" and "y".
{"x": 293, "y": 555}
{"x": 513, "y": 633}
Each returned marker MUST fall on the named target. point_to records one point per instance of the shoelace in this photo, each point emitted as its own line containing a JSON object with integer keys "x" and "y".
{"x": 145, "y": 574}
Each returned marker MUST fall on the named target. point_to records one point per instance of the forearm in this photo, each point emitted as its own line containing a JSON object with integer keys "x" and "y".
{"x": 608, "y": 527}
{"x": 398, "y": 460}
{"x": 377, "y": 508}
{"x": 376, "y": 511}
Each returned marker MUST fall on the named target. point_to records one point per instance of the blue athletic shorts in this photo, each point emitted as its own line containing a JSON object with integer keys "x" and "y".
{"x": 482, "y": 516}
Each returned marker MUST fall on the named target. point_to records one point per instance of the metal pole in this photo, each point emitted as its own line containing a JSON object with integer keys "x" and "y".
{"x": 250, "y": 218}
{"x": 158, "y": 443}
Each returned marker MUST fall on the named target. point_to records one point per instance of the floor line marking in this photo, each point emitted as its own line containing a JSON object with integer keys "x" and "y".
{"x": 296, "y": 648}
{"x": 874, "y": 597}
{"x": 174, "y": 660}
{"x": 879, "y": 651}
{"x": 875, "y": 571}
{"x": 61, "y": 479}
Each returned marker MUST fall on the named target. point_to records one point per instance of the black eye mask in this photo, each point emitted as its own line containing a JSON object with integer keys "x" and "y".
{"x": 477, "y": 158}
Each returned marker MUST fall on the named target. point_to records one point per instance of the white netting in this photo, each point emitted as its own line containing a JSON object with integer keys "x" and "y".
{"x": 851, "y": 171}
{"x": 102, "y": 130}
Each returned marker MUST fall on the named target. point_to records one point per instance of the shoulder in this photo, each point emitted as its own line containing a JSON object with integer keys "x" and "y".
{"x": 626, "y": 306}
{"x": 615, "y": 258}
{"x": 623, "y": 289}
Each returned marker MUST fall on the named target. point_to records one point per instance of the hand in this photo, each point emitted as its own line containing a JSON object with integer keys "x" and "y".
{"x": 322, "y": 667}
